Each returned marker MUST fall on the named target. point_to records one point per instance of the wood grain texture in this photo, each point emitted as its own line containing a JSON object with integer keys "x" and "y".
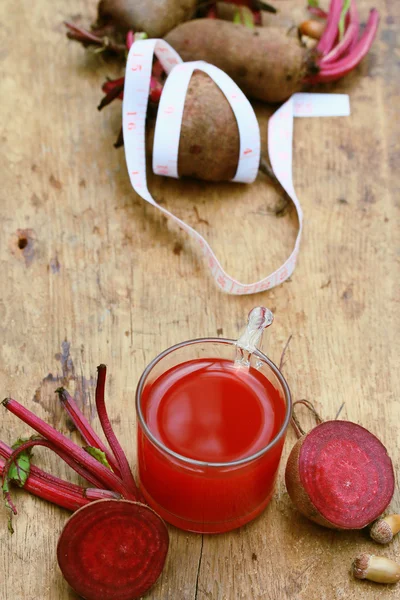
{"x": 103, "y": 278}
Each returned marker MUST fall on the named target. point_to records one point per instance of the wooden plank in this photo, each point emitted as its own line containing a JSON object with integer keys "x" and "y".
{"x": 103, "y": 278}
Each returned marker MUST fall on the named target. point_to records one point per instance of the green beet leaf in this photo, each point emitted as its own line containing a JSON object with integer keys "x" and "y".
{"x": 18, "y": 473}
{"x": 98, "y": 455}
{"x": 20, "y": 468}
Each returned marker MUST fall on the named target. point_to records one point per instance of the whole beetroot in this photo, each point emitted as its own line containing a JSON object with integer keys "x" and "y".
{"x": 207, "y": 120}
{"x": 155, "y": 17}
{"x": 264, "y": 62}
{"x": 115, "y": 18}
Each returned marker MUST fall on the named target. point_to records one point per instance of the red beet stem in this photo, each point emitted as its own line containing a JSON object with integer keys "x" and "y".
{"x": 40, "y": 483}
{"x": 353, "y": 16}
{"x": 338, "y": 69}
{"x": 115, "y": 89}
{"x": 115, "y": 446}
{"x": 341, "y": 48}
{"x": 156, "y": 89}
{"x": 5, "y": 451}
{"x": 108, "y": 478}
{"x": 97, "y": 494}
{"x": 350, "y": 37}
{"x": 67, "y": 495}
{"x": 63, "y": 455}
{"x": 133, "y": 542}
{"x": 120, "y": 139}
{"x": 111, "y": 83}
{"x": 69, "y": 499}
{"x": 330, "y": 33}
{"x": 50, "y": 479}
{"x": 254, "y": 5}
{"x": 318, "y": 12}
{"x": 130, "y": 38}
{"x": 299, "y": 431}
{"x": 257, "y": 17}
{"x": 84, "y": 427}
{"x": 112, "y": 94}
{"x": 89, "y": 38}
{"x": 82, "y": 35}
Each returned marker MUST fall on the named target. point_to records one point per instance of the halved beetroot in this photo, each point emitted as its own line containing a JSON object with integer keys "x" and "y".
{"x": 112, "y": 550}
{"x": 340, "y": 475}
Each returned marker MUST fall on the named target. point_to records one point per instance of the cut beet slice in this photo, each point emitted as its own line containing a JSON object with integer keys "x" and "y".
{"x": 112, "y": 550}
{"x": 340, "y": 475}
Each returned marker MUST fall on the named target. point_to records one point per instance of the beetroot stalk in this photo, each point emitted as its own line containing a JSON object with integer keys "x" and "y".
{"x": 97, "y": 494}
{"x": 349, "y": 40}
{"x": 89, "y": 38}
{"x": 84, "y": 427}
{"x": 328, "y": 38}
{"x": 107, "y": 477}
{"x": 299, "y": 431}
{"x": 341, "y": 48}
{"x": 69, "y": 499}
{"x": 112, "y": 93}
{"x": 120, "y": 139}
{"x": 115, "y": 446}
{"x": 78, "y": 468}
{"x": 69, "y": 495}
{"x": 48, "y": 478}
{"x": 338, "y": 69}
{"x": 212, "y": 12}
{"x": 317, "y": 11}
{"x": 115, "y": 89}
{"x": 110, "y": 85}
{"x": 353, "y": 16}
{"x": 130, "y": 38}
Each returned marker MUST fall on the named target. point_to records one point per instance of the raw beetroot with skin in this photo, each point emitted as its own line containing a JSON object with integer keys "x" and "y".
{"x": 155, "y": 17}
{"x": 340, "y": 475}
{"x": 207, "y": 117}
{"x": 207, "y": 120}
{"x": 264, "y": 62}
{"x": 115, "y": 18}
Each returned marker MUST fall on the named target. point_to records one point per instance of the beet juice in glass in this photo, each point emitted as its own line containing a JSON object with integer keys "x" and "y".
{"x": 212, "y": 420}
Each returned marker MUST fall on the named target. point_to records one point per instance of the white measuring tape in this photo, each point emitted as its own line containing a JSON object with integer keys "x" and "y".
{"x": 167, "y": 134}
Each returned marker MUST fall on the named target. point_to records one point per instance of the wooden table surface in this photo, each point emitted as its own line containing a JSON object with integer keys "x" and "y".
{"x": 90, "y": 273}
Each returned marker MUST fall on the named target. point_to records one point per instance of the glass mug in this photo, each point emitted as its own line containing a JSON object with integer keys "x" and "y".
{"x": 204, "y": 496}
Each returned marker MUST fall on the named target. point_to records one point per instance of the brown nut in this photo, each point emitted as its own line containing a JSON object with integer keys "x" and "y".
{"x": 376, "y": 568}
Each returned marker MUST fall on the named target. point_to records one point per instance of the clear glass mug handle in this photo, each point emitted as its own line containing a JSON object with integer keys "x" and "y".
{"x": 258, "y": 320}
